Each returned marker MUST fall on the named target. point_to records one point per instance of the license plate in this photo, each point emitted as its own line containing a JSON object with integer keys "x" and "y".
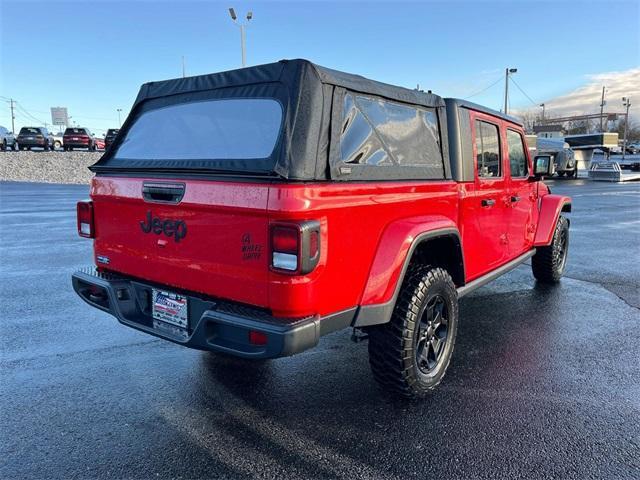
{"x": 31, "y": 138}
{"x": 75, "y": 138}
{"x": 170, "y": 308}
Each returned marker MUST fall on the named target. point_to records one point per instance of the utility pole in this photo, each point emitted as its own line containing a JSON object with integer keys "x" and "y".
{"x": 542, "y": 105}
{"x": 602, "y": 102}
{"x": 626, "y": 102}
{"x": 242, "y": 27}
{"x": 119, "y": 122}
{"x": 507, "y": 72}
{"x": 13, "y": 116}
{"x": 183, "y": 70}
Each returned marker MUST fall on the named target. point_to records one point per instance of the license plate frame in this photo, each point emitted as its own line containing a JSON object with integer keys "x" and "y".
{"x": 170, "y": 307}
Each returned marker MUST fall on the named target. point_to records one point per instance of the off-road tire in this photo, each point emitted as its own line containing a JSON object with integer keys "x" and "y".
{"x": 549, "y": 262}
{"x": 393, "y": 347}
{"x": 56, "y": 145}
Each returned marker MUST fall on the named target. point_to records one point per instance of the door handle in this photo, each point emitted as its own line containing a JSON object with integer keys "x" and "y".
{"x": 488, "y": 202}
{"x": 515, "y": 198}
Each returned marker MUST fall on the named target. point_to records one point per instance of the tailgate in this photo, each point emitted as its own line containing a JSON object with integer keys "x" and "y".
{"x": 213, "y": 241}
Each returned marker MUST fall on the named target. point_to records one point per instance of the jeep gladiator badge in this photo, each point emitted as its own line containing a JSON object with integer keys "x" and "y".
{"x": 171, "y": 228}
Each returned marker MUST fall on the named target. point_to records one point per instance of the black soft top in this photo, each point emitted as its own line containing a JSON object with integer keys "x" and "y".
{"x": 306, "y": 93}
{"x": 289, "y": 72}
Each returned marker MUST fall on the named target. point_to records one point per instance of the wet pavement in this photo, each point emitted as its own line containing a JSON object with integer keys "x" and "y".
{"x": 544, "y": 382}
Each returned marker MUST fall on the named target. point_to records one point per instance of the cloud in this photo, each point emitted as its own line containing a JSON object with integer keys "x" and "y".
{"x": 586, "y": 99}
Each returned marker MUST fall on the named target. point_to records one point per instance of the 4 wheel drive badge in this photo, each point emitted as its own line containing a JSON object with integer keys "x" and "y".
{"x": 171, "y": 228}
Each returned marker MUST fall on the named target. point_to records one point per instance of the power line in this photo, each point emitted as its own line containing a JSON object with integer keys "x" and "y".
{"x": 525, "y": 94}
{"x": 24, "y": 111}
{"x": 484, "y": 89}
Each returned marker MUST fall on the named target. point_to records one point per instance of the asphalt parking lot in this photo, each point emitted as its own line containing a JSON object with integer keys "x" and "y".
{"x": 544, "y": 382}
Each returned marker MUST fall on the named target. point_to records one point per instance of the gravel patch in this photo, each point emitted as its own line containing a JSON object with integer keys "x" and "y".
{"x": 49, "y": 167}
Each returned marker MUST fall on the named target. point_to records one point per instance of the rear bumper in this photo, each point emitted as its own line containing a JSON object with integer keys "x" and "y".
{"x": 213, "y": 325}
{"x": 32, "y": 143}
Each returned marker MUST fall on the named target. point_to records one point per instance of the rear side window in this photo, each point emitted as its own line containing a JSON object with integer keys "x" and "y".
{"x": 380, "y": 133}
{"x": 29, "y": 131}
{"x": 230, "y": 129}
{"x": 488, "y": 150}
{"x": 517, "y": 157}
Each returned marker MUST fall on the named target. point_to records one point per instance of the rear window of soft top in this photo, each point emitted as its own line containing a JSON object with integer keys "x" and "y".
{"x": 221, "y": 129}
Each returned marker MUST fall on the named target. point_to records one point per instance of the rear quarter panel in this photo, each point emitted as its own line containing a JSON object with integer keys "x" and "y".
{"x": 354, "y": 218}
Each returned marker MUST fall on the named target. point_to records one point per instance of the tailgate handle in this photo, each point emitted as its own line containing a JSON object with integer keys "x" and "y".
{"x": 163, "y": 192}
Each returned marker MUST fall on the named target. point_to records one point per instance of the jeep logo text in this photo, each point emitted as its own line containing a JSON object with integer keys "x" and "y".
{"x": 171, "y": 228}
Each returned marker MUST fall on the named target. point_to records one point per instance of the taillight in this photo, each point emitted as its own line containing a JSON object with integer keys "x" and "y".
{"x": 295, "y": 247}
{"x": 85, "y": 219}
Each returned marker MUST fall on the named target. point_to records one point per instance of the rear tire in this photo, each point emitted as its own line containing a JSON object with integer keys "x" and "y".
{"x": 3, "y": 147}
{"x": 410, "y": 355}
{"x": 549, "y": 262}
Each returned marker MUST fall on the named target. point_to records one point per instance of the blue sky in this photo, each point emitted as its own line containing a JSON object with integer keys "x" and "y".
{"x": 92, "y": 56}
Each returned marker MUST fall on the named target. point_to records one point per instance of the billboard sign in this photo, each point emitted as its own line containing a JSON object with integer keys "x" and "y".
{"x": 59, "y": 116}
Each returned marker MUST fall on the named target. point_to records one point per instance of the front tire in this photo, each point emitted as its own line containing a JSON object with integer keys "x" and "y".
{"x": 549, "y": 262}
{"x": 410, "y": 355}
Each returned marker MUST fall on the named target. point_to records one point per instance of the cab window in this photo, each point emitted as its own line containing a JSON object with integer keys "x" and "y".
{"x": 488, "y": 150}
{"x": 517, "y": 157}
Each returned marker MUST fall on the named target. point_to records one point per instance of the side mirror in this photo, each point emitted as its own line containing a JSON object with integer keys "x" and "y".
{"x": 543, "y": 166}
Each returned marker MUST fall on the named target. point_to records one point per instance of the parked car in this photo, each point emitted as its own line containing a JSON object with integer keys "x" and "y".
{"x": 563, "y": 156}
{"x": 78, "y": 137}
{"x": 99, "y": 143}
{"x": 111, "y": 135}
{"x": 35, "y": 137}
{"x": 7, "y": 140}
{"x": 320, "y": 201}
{"x": 58, "y": 140}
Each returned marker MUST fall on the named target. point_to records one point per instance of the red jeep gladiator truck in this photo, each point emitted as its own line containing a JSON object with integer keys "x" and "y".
{"x": 297, "y": 200}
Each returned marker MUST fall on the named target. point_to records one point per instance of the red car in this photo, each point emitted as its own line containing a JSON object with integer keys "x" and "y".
{"x": 296, "y": 201}
{"x": 77, "y": 137}
{"x": 99, "y": 143}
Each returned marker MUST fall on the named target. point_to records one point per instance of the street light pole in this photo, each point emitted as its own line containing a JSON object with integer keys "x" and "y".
{"x": 602, "y": 102}
{"x": 507, "y": 72}
{"x": 542, "y": 105}
{"x": 242, "y": 27}
{"x": 626, "y": 102}
{"x": 119, "y": 122}
{"x": 13, "y": 116}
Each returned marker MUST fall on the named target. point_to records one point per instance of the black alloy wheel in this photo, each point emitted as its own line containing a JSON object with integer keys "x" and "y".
{"x": 432, "y": 334}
